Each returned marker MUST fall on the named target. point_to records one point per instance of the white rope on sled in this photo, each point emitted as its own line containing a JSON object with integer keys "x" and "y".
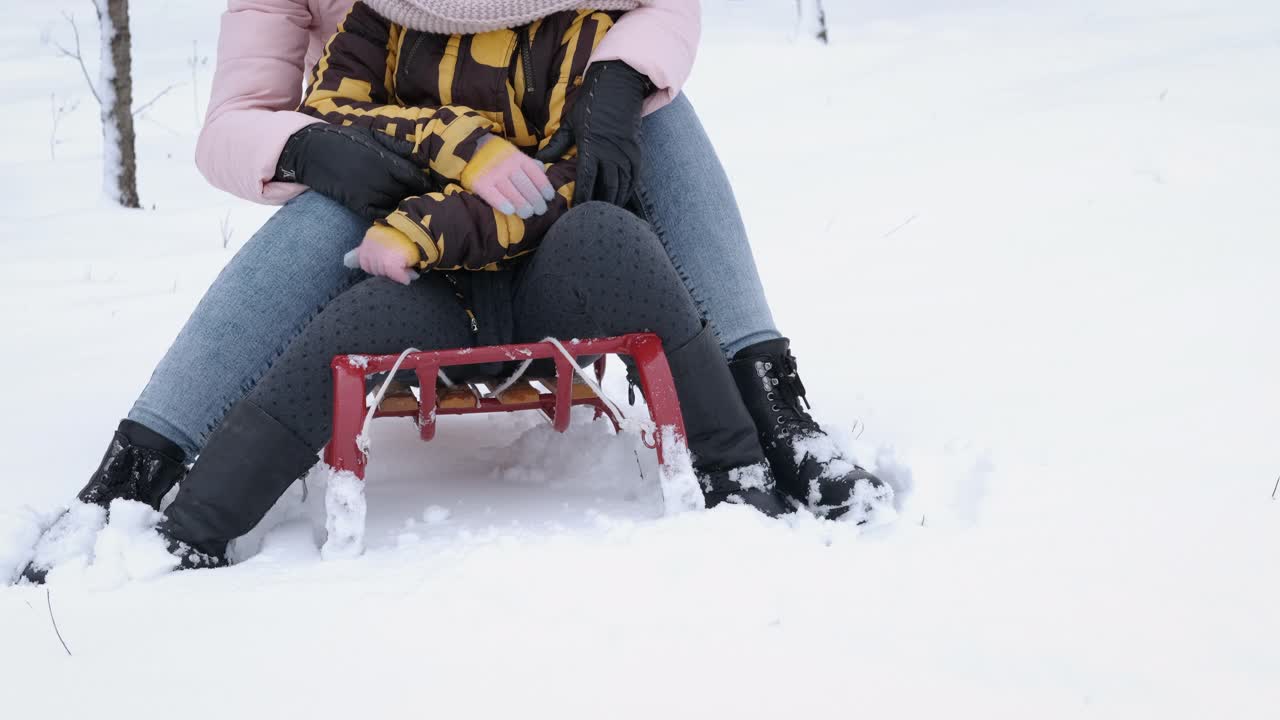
{"x": 586, "y": 377}
{"x": 515, "y": 376}
{"x": 362, "y": 440}
{"x": 573, "y": 363}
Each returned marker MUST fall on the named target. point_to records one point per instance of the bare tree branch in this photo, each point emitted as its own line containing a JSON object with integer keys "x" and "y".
{"x": 138, "y": 110}
{"x": 76, "y": 55}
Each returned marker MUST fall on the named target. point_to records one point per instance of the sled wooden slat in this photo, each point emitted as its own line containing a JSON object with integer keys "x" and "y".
{"x": 581, "y": 390}
{"x": 401, "y": 402}
{"x": 521, "y": 393}
{"x": 458, "y": 397}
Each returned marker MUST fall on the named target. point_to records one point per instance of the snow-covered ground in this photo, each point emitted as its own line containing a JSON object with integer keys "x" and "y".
{"x": 1031, "y": 247}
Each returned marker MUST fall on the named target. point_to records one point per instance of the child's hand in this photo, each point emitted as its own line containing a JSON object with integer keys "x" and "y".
{"x": 512, "y": 182}
{"x": 388, "y": 253}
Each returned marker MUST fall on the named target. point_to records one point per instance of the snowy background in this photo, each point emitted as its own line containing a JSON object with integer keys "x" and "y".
{"x": 1043, "y": 271}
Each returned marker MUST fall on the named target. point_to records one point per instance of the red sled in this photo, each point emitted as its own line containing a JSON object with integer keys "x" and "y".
{"x": 351, "y": 412}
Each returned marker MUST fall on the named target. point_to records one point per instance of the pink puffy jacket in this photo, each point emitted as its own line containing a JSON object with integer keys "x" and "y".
{"x": 265, "y": 47}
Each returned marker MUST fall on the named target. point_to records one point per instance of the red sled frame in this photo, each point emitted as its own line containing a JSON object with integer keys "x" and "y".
{"x": 349, "y": 405}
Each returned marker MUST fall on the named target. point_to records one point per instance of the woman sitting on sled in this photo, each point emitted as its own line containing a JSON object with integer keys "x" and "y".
{"x": 458, "y": 267}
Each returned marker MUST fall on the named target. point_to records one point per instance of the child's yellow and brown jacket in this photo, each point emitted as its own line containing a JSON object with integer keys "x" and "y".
{"x": 435, "y": 96}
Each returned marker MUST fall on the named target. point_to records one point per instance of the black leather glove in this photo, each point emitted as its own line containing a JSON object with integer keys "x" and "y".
{"x": 604, "y": 122}
{"x": 351, "y": 165}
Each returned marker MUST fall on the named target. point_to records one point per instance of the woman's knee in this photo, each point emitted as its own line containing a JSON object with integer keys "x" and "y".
{"x": 599, "y": 235}
{"x": 296, "y": 257}
{"x": 309, "y": 224}
{"x": 604, "y": 263}
{"x": 678, "y": 155}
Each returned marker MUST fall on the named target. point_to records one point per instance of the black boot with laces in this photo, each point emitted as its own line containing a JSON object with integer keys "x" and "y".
{"x": 139, "y": 464}
{"x": 727, "y": 457}
{"x": 807, "y": 464}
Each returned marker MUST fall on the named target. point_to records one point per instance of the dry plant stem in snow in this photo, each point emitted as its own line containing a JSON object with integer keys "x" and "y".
{"x": 195, "y": 62}
{"x": 56, "y": 113}
{"x": 48, "y": 600}
{"x": 225, "y": 227}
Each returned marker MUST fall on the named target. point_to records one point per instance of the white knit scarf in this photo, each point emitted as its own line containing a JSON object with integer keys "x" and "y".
{"x": 465, "y": 17}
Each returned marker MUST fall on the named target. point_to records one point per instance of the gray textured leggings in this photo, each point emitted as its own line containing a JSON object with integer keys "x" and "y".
{"x": 599, "y": 271}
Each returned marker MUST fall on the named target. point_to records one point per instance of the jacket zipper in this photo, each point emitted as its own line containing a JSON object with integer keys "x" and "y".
{"x": 463, "y": 301}
{"x": 526, "y": 55}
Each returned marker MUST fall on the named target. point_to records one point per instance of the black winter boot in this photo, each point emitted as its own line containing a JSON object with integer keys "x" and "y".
{"x": 807, "y": 464}
{"x": 727, "y": 457}
{"x": 246, "y": 465}
{"x": 139, "y": 464}
{"x": 190, "y": 558}
{"x": 751, "y": 485}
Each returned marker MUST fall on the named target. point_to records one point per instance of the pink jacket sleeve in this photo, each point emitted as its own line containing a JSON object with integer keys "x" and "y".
{"x": 660, "y": 39}
{"x": 262, "y": 46}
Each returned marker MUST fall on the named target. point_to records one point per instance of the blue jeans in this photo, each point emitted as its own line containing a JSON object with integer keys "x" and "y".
{"x": 292, "y": 267}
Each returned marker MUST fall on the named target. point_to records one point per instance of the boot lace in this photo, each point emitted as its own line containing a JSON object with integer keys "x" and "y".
{"x": 788, "y": 393}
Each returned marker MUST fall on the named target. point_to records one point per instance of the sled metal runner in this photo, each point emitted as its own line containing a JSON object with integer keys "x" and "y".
{"x": 350, "y": 405}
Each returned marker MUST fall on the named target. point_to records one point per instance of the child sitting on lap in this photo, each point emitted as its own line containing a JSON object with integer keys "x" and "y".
{"x": 467, "y": 109}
